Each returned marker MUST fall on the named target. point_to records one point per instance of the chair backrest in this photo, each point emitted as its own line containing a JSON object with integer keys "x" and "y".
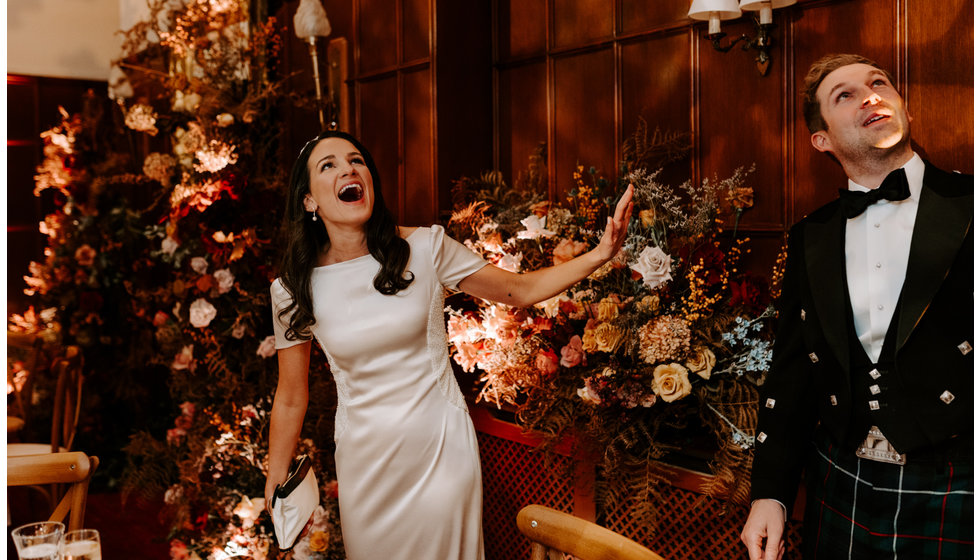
{"x": 74, "y": 468}
{"x": 67, "y": 399}
{"x": 553, "y": 532}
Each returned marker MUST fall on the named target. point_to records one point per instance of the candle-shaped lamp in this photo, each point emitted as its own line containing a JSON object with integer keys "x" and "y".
{"x": 311, "y": 22}
{"x": 764, "y": 7}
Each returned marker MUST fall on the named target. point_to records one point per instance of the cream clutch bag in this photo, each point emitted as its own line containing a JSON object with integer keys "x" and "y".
{"x": 293, "y": 503}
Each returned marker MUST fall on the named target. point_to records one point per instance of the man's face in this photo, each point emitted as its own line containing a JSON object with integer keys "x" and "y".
{"x": 865, "y": 115}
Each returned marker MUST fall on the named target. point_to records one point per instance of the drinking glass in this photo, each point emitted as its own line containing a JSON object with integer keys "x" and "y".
{"x": 82, "y": 544}
{"x": 39, "y": 541}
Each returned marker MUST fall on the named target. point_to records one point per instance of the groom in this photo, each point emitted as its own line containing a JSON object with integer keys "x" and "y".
{"x": 871, "y": 384}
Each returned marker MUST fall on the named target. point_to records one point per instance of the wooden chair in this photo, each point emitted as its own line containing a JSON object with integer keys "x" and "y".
{"x": 30, "y": 349}
{"x": 67, "y": 407}
{"x": 554, "y": 533}
{"x": 73, "y": 468}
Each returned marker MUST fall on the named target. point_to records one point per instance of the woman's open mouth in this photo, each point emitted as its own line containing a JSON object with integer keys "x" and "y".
{"x": 351, "y": 193}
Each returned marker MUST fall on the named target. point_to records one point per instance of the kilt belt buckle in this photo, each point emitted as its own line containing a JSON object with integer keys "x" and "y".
{"x": 877, "y": 448}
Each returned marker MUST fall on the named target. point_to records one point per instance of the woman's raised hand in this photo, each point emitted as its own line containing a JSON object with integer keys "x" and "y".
{"x": 616, "y": 226}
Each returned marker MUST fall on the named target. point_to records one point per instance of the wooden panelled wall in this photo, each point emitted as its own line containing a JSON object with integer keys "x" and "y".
{"x": 443, "y": 88}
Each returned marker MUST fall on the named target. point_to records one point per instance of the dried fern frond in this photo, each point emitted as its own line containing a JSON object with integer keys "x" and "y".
{"x": 656, "y": 149}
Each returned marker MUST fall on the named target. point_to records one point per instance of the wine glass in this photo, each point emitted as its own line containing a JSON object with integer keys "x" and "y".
{"x": 39, "y": 541}
{"x": 82, "y": 544}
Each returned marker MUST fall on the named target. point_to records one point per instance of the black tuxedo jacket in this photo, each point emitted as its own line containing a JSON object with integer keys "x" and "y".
{"x": 810, "y": 379}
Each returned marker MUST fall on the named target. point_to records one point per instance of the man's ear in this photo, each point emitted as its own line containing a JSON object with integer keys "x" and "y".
{"x": 309, "y": 204}
{"x": 821, "y": 141}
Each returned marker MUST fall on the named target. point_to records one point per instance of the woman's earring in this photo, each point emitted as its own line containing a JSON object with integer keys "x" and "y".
{"x": 314, "y": 216}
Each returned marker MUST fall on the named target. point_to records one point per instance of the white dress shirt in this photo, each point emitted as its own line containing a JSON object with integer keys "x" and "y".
{"x": 876, "y": 252}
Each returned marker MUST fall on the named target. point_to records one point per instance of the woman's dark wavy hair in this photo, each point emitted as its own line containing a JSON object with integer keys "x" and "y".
{"x": 306, "y": 240}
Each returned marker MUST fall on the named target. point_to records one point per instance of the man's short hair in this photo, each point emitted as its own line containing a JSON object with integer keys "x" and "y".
{"x": 818, "y": 71}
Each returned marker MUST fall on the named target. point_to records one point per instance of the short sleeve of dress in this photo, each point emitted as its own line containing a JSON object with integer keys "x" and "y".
{"x": 281, "y": 299}
{"x": 452, "y": 260}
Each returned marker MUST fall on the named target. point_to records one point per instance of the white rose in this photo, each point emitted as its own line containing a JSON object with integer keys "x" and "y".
{"x": 225, "y": 119}
{"x": 654, "y": 266}
{"x": 202, "y": 313}
{"x": 199, "y": 264}
{"x": 267, "y": 348}
{"x": 225, "y": 280}
{"x": 535, "y": 228}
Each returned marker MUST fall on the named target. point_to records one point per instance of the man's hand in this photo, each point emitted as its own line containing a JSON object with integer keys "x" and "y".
{"x": 763, "y": 531}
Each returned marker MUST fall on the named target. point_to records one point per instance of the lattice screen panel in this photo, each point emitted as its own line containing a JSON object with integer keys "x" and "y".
{"x": 513, "y": 477}
{"x": 693, "y": 527}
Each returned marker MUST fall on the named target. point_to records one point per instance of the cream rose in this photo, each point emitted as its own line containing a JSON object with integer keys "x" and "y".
{"x": 202, "y": 313}
{"x": 670, "y": 382}
{"x": 607, "y": 337}
{"x": 608, "y": 309}
{"x": 588, "y": 337}
{"x": 654, "y": 266}
{"x": 701, "y": 362}
{"x": 199, "y": 265}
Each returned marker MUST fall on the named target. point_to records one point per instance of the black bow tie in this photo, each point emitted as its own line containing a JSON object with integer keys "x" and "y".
{"x": 894, "y": 187}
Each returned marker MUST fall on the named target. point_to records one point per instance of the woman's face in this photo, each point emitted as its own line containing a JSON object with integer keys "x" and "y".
{"x": 341, "y": 186}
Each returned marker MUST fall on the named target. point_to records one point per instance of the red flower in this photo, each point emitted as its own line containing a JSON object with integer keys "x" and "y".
{"x": 751, "y": 292}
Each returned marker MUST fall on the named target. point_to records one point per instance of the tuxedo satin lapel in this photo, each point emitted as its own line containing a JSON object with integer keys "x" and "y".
{"x": 941, "y": 224}
{"x": 824, "y": 246}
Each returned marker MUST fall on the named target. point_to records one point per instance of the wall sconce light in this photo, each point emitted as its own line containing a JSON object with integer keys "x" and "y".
{"x": 716, "y": 10}
{"x": 311, "y": 22}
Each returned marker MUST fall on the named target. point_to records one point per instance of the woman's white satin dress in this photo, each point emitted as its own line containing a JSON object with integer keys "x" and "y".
{"x": 408, "y": 465}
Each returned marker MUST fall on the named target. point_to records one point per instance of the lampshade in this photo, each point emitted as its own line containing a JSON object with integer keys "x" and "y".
{"x": 311, "y": 20}
{"x": 756, "y": 5}
{"x": 722, "y": 9}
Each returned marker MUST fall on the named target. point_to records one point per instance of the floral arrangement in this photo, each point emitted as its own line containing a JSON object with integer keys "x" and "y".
{"x": 158, "y": 264}
{"x": 669, "y": 334}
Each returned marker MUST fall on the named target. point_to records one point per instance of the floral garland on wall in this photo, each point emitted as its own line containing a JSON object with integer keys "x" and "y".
{"x": 669, "y": 334}
{"x": 158, "y": 263}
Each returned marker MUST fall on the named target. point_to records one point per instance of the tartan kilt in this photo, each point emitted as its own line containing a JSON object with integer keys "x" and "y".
{"x": 862, "y": 509}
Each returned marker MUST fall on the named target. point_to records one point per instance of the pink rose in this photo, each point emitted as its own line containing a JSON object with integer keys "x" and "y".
{"x": 174, "y": 435}
{"x": 225, "y": 280}
{"x": 187, "y": 408}
{"x": 185, "y": 359}
{"x": 572, "y": 353}
{"x": 567, "y": 250}
{"x": 547, "y": 362}
{"x": 267, "y": 348}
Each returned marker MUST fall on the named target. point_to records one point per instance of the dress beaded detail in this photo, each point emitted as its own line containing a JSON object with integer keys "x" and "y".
{"x": 408, "y": 465}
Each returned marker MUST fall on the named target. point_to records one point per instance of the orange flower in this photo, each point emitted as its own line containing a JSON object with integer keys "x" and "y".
{"x": 319, "y": 541}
